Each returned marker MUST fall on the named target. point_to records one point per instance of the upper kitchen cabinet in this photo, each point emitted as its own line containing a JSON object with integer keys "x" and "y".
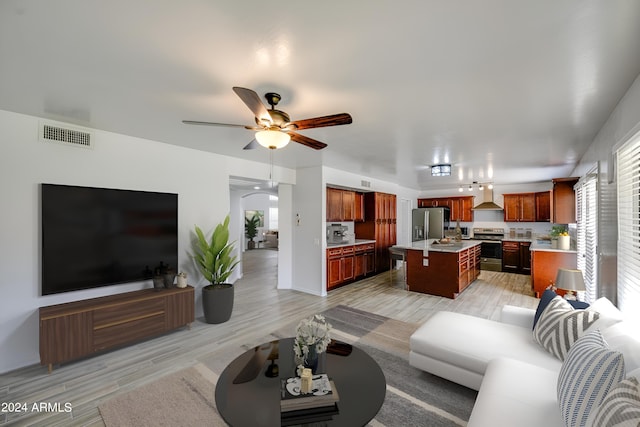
{"x": 359, "y": 207}
{"x": 461, "y": 206}
{"x": 527, "y": 207}
{"x": 519, "y": 207}
{"x": 543, "y": 206}
{"x": 341, "y": 205}
{"x": 564, "y": 200}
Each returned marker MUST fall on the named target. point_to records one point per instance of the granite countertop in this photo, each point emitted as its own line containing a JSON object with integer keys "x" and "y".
{"x": 439, "y": 247}
{"x": 545, "y": 245}
{"x": 355, "y": 242}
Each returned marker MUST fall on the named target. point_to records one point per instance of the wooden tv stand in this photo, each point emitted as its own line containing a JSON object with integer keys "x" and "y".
{"x": 77, "y": 329}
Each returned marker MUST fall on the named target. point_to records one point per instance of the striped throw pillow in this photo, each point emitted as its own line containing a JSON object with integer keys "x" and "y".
{"x": 587, "y": 374}
{"x": 621, "y": 407}
{"x": 560, "y": 325}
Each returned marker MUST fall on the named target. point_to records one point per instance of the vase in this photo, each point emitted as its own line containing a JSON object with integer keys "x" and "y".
{"x": 312, "y": 359}
{"x": 158, "y": 282}
{"x": 169, "y": 278}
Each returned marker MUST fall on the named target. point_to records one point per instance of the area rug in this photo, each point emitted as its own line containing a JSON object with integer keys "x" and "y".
{"x": 413, "y": 397}
{"x": 184, "y": 398}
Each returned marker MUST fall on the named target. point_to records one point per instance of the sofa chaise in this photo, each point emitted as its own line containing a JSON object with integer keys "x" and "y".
{"x": 516, "y": 367}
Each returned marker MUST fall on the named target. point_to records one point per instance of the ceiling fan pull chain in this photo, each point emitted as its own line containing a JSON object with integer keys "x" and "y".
{"x": 271, "y": 169}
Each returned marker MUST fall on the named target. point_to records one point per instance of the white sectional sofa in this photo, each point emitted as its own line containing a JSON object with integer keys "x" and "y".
{"x": 516, "y": 377}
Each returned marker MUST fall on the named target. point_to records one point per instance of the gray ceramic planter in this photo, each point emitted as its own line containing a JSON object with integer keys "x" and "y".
{"x": 217, "y": 303}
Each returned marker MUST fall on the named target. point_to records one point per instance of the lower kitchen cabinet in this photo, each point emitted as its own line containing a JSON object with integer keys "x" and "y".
{"x": 545, "y": 265}
{"x": 516, "y": 257}
{"x": 348, "y": 263}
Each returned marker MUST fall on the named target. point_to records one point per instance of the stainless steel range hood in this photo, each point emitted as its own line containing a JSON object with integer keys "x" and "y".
{"x": 487, "y": 202}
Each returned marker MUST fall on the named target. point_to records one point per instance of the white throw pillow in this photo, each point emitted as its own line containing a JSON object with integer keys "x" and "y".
{"x": 620, "y": 408}
{"x": 560, "y": 325}
{"x": 624, "y": 337}
{"x": 588, "y": 373}
{"x": 609, "y": 313}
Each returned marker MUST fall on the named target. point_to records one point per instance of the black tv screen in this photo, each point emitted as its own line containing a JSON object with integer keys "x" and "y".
{"x": 94, "y": 237}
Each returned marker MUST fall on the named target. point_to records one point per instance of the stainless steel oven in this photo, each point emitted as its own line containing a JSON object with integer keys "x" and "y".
{"x": 490, "y": 247}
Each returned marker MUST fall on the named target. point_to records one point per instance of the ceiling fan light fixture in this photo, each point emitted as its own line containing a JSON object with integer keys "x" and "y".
{"x": 272, "y": 139}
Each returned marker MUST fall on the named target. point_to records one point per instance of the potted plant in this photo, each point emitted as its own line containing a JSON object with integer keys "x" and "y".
{"x": 216, "y": 263}
{"x": 251, "y": 229}
{"x": 556, "y": 232}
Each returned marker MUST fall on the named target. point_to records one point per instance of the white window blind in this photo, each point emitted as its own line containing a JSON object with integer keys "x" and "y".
{"x": 629, "y": 226}
{"x": 587, "y": 232}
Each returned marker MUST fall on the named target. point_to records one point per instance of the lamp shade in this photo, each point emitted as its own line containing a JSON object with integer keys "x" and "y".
{"x": 272, "y": 138}
{"x": 570, "y": 280}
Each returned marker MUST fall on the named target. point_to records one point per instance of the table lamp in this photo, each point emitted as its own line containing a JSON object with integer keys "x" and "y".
{"x": 570, "y": 281}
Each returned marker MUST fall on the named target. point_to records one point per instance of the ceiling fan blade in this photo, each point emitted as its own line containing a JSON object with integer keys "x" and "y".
{"x": 252, "y": 145}
{"x": 252, "y": 100}
{"x": 318, "y": 122}
{"x": 305, "y": 140}
{"x": 195, "y": 122}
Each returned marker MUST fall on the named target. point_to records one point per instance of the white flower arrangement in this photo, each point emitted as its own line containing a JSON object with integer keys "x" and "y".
{"x": 312, "y": 331}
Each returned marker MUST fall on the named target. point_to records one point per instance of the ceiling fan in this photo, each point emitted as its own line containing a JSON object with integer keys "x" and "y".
{"x": 274, "y": 127}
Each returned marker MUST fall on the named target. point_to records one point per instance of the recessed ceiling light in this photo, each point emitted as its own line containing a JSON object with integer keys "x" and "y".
{"x": 443, "y": 169}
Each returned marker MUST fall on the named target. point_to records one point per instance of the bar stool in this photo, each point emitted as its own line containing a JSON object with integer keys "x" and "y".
{"x": 397, "y": 254}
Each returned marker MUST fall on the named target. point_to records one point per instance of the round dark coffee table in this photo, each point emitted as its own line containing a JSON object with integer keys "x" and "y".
{"x": 248, "y": 390}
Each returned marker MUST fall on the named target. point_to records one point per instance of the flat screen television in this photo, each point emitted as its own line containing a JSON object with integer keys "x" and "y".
{"x": 93, "y": 237}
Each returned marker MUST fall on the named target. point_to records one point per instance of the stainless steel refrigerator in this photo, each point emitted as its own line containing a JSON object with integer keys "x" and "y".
{"x": 429, "y": 223}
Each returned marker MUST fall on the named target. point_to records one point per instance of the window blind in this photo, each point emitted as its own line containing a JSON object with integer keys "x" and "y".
{"x": 629, "y": 225}
{"x": 587, "y": 232}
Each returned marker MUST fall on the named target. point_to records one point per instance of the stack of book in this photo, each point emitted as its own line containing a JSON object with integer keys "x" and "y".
{"x": 300, "y": 408}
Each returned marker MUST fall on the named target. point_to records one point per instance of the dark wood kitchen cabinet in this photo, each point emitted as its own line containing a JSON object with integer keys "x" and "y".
{"x": 543, "y": 206}
{"x": 564, "y": 201}
{"x": 516, "y": 257}
{"x": 348, "y": 263}
{"x": 358, "y": 213}
{"x": 341, "y": 205}
{"x": 461, "y": 206}
{"x": 379, "y": 225}
{"x": 519, "y": 207}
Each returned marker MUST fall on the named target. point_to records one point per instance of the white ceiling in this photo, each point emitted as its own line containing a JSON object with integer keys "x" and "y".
{"x": 507, "y": 91}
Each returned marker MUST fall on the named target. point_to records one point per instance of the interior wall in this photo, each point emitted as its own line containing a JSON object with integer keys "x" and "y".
{"x": 116, "y": 161}
{"x": 309, "y": 275}
{"x": 622, "y": 125}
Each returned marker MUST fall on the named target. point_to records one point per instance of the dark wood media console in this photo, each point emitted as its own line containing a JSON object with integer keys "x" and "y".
{"x": 77, "y": 329}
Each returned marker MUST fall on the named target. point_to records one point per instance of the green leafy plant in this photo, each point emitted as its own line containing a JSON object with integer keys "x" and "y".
{"x": 558, "y": 230}
{"x": 251, "y": 226}
{"x": 213, "y": 256}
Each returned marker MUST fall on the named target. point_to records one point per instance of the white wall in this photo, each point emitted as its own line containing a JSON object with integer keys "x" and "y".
{"x": 308, "y": 232}
{"x": 117, "y": 161}
{"x": 622, "y": 124}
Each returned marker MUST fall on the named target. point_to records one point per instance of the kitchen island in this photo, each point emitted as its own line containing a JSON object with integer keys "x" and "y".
{"x": 441, "y": 269}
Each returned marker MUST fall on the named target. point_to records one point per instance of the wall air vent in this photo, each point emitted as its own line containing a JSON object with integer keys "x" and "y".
{"x": 65, "y": 135}
{"x": 366, "y": 184}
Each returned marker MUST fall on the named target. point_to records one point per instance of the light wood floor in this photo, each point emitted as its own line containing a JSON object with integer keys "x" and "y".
{"x": 259, "y": 309}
